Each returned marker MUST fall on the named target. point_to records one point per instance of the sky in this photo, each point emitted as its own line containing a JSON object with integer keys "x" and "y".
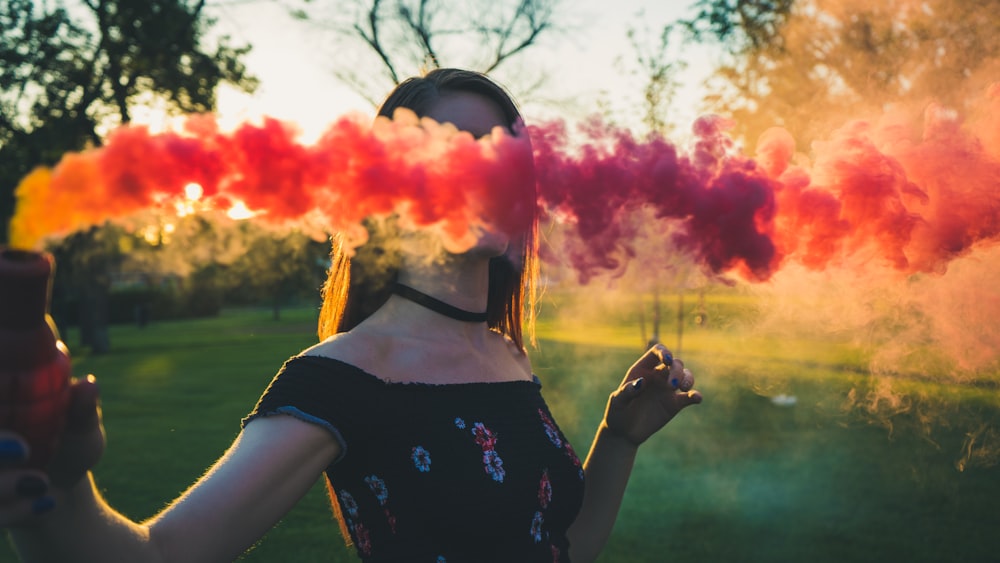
{"x": 296, "y": 66}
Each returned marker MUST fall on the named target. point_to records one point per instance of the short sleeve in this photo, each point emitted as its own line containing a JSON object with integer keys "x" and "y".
{"x": 321, "y": 391}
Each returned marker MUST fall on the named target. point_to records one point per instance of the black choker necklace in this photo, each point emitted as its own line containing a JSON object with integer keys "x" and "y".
{"x": 437, "y": 305}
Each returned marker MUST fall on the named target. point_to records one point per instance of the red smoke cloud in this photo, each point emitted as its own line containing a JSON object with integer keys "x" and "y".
{"x": 720, "y": 207}
{"x": 914, "y": 195}
{"x": 910, "y": 196}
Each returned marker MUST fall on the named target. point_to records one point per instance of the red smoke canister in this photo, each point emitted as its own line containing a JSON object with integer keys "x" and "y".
{"x": 34, "y": 363}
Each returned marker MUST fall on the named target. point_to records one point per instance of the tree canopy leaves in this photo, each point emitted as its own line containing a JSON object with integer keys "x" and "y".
{"x": 808, "y": 65}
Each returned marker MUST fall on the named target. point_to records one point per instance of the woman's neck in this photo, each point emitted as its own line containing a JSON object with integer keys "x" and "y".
{"x": 460, "y": 281}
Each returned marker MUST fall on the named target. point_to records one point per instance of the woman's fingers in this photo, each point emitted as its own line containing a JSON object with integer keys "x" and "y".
{"x": 83, "y": 441}
{"x": 84, "y": 413}
{"x": 688, "y": 398}
{"x": 659, "y": 366}
{"x": 663, "y": 355}
{"x": 20, "y": 485}
{"x": 658, "y": 355}
{"x": 23, "y": 493}
{"x": 14, "y": 450}
{"x": 681, "y": 378}
{"x": 22, "y": 501}
{"x": 626, "y": 393}
{"x": 27, "y": 493}
{"x": 682, "y": 381}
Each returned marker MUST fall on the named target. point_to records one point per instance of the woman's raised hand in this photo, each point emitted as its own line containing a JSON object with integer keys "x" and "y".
{"x": 654, "y": 390}
{"x": 26, "y": 493}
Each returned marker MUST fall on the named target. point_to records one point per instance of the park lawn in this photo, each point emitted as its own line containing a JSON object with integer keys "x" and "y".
{"x": 737, "y": 478}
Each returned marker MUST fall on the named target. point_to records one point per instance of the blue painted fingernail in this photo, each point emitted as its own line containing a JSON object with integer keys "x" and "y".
{"x": 12, "y": 450}
{"x": 675, "y": 382}
{"x": 43, "y": 505}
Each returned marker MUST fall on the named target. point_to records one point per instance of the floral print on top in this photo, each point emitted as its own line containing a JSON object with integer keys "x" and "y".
{"x": 464, "y": 472}
{"x": 358, "y": 531}
{"x": 381, "y": 492}
{"x": 544, "y": 497}
{"x": 552, "y": 431}
{"x": 421, "y": 459}
{"x": 544, "y": 490}
{"x": 487, "y": 440}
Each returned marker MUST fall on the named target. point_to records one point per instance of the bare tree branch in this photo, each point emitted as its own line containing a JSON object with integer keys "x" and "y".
{"x": 421, "y": 27}
{"x": 528, "y": 11}
{"x": 352, "y": 79}
{"x": 658, "y": 66}
{"x": 409, "y": 36}
{"x": 371, "y": 36}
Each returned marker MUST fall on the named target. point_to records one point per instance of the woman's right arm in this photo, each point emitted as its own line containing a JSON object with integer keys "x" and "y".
{"x": 272, "y": 463}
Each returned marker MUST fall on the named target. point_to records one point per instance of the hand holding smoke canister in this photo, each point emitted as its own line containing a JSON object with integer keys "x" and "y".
{"x": 34, "y": 363}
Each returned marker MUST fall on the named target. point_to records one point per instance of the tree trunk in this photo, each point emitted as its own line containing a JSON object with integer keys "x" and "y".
{"x": 94, "y": 318}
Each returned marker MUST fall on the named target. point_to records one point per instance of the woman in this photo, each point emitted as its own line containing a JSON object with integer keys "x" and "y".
{"x": 419, "y": 405}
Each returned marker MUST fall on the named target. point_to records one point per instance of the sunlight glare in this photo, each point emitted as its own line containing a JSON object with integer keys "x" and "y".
{"x": 240, "y": 211}
{"x": 193, "y": 191}
{"x": 151, "y": 233}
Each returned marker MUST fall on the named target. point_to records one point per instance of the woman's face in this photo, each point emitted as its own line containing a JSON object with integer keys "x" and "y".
{"x": 469, "y": 112}
{"x": 477, "y": 115}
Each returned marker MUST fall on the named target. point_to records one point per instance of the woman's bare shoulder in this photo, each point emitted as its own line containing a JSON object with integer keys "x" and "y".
{"x": 353, "y": 347}
{"x": 518, "y": 354}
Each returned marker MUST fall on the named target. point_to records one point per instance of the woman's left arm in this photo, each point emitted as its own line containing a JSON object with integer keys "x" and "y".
{"x": 654, "y": 390}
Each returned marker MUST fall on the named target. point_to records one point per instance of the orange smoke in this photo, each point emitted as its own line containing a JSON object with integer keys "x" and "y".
{"x": 430, "y": 173}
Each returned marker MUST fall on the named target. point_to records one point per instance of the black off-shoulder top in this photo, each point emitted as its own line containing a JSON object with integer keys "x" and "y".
{"x": 469, "y": 472}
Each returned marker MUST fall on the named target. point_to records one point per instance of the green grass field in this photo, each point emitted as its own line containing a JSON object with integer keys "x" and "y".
{"x": 737, "y": 478}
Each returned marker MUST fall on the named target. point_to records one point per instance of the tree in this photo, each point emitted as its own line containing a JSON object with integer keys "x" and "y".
{"x": 809, "y": 64}
{"x": 278, "y": 267}
{"x": 68, "y": 72}
{"x": 659, "y": 66}
{"x": 405, "y": 37}
{"x": 743, "y": 25}
{"x": 84, "y": 264}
